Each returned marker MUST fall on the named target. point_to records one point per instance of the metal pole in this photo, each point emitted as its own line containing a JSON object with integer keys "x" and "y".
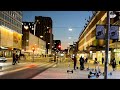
{"x": 33, "y": 55}
{"x": 107, "y": 45}
{"x": 34, "y": 27}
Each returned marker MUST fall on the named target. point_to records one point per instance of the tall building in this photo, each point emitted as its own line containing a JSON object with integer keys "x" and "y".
{"x": 29, "y": 40}
{"x": 10, "y": 32}
{"x": 43, "y": 30}
{"x": 26, "y": 28}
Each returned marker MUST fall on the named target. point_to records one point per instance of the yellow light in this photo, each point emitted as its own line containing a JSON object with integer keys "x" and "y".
{"x": 26, "y": 27}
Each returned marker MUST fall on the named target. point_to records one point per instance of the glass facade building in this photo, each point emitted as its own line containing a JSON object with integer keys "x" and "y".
{"x": 10, "y": 32}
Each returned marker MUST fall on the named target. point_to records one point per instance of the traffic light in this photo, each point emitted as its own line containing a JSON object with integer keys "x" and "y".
{"x": 59, "y": 46}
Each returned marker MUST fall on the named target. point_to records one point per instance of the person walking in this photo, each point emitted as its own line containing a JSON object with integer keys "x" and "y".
{"x": 81, "y": 63}
{"x": 75, "y": 62}
{"x": 17, "y": 57}
{"x": 86, "y": 59}
{"x": 102, "y": 60}
{"x": 14, "y": 58}
{"x": 113, "y": 63}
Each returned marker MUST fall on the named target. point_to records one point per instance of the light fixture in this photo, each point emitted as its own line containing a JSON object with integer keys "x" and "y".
{"x": 70, "y": 29}
{"x": 90, "y": 51}
{"x": 27, "y": 40}
{"x": 26, "y": 27}
{"x": 41, "y": 36}
{"x": 48, "y": 27}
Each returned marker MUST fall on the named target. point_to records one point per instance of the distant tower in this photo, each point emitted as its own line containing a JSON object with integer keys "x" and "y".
{"x": 43, "y": 30}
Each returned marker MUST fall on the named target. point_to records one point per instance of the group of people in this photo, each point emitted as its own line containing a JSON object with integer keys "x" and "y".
{"x": 82, "y": 61}
{"x": 16, "y": 58}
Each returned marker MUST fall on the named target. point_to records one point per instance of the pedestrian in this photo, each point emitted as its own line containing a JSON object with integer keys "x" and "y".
{"x": 14, "y": 58}
{"x": 95, "y": 62}
{"x": 17, "y": 57}
{"x": 113, "y": 63}
{"x": 81, "y": 63}
{"x": 102, "y": 60}
{"x": 75, "y": 62}
{"x": 86, "y": 59}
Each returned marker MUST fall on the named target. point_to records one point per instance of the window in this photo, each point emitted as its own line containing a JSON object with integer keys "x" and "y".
{"x": 10, "y": 20}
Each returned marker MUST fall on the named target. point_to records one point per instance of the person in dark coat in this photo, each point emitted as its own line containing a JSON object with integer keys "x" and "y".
{"x": 14, "y": 59}
{"x": 86, "y": 59}
{"x": 95, "y": 62}
{"x": 81, "y": 63}
{"x": 17, "y": 57}
{"x": 75, "y": 62}
{"x": 113, "y": 63}
{"x": 102, "y": 60}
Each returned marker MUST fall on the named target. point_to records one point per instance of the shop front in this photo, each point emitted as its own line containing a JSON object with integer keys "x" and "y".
{"x": 9, "y": 41}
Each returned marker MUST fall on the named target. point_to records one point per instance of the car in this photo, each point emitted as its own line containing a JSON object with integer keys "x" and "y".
{"x": 3, "y": 59}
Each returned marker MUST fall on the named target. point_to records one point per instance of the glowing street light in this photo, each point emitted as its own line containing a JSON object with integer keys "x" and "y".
{"x": 70, "y": 29}
{"x": 41, "y": 36}
{"x": 33, "y": 48}
{"x": 69, "y": 37}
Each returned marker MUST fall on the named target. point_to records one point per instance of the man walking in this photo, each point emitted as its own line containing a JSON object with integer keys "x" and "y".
{"x": 75, "y": 62}
{"x": 14, "y": 58}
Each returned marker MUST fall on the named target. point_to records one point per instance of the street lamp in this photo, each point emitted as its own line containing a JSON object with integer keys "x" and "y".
{"x": 33, "y": 48}
{"x": 41, "y": 36}
{"x": 70, "y": 29}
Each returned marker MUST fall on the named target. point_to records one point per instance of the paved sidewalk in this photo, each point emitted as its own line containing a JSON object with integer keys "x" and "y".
{"x": 60, "y": 72}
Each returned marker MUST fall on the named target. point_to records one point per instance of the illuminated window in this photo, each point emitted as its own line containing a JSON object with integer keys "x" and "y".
{"x": 37, "y": 20}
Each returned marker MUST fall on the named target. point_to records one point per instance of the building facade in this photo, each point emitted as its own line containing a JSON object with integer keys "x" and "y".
{"x": 91, "y": 47}
{"x": 29, "y": 40}
{"x": 10, "y": 32}
{"x": 43, "y": 29}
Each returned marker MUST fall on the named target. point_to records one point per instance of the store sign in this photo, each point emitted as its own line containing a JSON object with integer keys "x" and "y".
{"x": 100, "y": 32}
{"x": 114, "y": 32}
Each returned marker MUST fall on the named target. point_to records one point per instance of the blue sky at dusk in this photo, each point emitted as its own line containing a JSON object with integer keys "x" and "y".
{"x": 62, "y": 21}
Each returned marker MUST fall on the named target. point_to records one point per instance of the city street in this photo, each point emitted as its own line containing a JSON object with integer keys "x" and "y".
{"x": 42, "y": 68}
{"x": 24, "y": 69}
{"x": 49, "y": 43}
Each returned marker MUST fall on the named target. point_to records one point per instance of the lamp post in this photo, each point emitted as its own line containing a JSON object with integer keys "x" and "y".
{"x": 107, "y": 45}
{"x": 33, "y": 48}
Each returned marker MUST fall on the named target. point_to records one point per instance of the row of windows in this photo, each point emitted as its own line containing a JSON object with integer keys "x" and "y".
{"x": 13, "y": 14}
{"x": 10, "y": 26}
{"x": 11, "y": 20}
